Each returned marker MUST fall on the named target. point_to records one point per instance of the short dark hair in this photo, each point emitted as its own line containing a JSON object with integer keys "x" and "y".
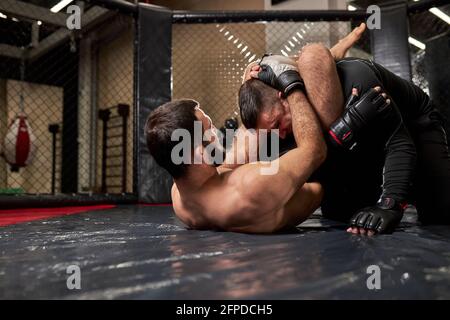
{"x": 254, "y": 97}
{"x": 177, "y": 114}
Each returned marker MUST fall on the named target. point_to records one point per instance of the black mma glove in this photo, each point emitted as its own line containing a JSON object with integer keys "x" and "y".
{"x": 344, "y": 131}
{"x": 280, "y": 73}
{"x": 382, "y": 218}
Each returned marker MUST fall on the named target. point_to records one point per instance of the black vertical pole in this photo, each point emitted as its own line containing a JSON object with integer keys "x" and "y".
{"x": 124, "y": 112}
{"x": 390, "y": 45}
{"x": 438, "y": 74}
{"x": 154, "y": 60}
{"x": 69, "y": 166}
{"x": 136, "y": 140}
{"x": 53, "y": 129}
{"x": 104, "y": 116}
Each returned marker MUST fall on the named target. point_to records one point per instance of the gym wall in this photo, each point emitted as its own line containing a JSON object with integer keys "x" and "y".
{"x": 115, "y": 86}
{"x": 43, "y": 106}
{"x": 69, "y": 83}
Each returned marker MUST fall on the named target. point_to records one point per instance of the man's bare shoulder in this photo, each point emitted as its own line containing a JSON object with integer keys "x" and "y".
{"x": 186, "y": 210}
{"x": 209, "y": 208}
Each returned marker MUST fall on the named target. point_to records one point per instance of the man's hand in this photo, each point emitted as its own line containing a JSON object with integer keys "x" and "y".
{"x": 240, "y": 152}
{"x": 280, "y": 73}
{"x": 357, "y": 115}
{"x": 382, "y": 218}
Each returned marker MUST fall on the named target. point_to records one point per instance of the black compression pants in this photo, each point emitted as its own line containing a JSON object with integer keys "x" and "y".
{"x": 354, "y": 181}
{"x": 430, "y": 191}
{"x": 431, "y": 187}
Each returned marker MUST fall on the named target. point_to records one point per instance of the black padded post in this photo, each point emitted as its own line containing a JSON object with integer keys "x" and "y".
{"x": 154, "y": 51}
{"x": 438, "y": 74}
{"x": 104, "y": 115}
{"x": 54, "y": 130}
{"x": 124, "y": 112}
{"x": 390, "y": 46}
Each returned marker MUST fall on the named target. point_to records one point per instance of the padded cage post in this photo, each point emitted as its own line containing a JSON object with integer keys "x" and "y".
{"x": 390, "y": 43}
{"x": 154, "y": 50}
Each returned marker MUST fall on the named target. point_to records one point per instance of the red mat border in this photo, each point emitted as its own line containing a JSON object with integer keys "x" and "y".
{"x": 14, "y": 216}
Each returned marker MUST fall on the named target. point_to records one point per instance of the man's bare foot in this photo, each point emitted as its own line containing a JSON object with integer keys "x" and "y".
{"x": 340, "y": 49}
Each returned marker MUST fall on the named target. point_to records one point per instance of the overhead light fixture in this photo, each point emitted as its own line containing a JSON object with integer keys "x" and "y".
{"x": 351, "y": 8}
{"x": 57, "y": 7}
{"x": 440, "y": 14}
{"x": 15, "y": 19}
{"x": 3, "y": 16}
{"x": 416, "y": 43}
{"x": 39, "y": 22}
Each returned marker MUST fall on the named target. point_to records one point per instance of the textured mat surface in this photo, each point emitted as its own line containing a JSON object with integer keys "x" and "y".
{"x": 145, "y": 253}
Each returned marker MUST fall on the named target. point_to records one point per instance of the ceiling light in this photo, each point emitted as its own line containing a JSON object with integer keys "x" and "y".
{"x": 57, "y": 7}
{"x": 440, "y": 14}
{"x": 416, "y": 43}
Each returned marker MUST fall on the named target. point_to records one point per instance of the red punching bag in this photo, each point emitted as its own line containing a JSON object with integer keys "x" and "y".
{"x": 18, "y": 145}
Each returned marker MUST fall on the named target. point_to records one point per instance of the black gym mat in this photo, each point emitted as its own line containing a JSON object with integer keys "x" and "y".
{"x": 144, "y": 253}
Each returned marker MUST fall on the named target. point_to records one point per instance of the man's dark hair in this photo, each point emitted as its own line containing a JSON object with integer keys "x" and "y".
{"x": 178, "y": 114}
{"x": 254, "y": 97}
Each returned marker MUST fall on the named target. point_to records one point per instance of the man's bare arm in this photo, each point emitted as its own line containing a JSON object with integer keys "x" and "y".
{"x": 317, "y": 68}
{"x": 264, "y": 196}
{"x": 239, "y": 152}
{"x": 316, "y": 65}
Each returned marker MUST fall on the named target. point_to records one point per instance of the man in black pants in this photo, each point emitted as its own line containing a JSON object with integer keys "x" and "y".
{"x": 432, "y": 182}
{"x": 384, "y": 154}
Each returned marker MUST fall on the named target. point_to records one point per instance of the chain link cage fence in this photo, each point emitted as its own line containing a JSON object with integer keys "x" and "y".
{"x": 209, "y": 59}
{"x": 72, "y": 91}
{"x": 66, "y": 100}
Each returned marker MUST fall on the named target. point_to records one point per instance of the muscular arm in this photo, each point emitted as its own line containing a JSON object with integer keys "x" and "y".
{"x": 323, "y": 87}
{"x": 239, "y": 152}
{"x": 316, "y": 65}
{"x": 268, "y": 199}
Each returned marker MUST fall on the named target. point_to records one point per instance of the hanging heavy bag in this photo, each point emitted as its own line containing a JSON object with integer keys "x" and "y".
{"x": 18, "y": 146}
